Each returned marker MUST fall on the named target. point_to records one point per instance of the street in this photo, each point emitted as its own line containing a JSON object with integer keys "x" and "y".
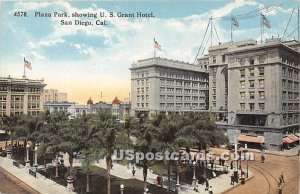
{"x": 11, "y": 185}
{"x": 266, "y": 175}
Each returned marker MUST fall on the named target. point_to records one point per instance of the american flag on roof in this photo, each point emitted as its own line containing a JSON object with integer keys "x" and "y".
{"x": 265, "y": 21}
{"x": 234, "y": 21}
{"x": 157, "y": 45}
{"x": 27, "y": 64}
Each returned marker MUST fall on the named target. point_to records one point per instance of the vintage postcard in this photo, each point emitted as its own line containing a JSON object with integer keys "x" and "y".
{"x": 141, "y": 96}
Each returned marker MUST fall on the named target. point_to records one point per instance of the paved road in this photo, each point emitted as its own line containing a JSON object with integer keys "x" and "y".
{"x": 266, "y": 175}
{"x": 11, "y": 185}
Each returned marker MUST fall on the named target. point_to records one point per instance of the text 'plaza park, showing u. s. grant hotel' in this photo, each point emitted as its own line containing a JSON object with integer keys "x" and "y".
{"x": 253, "y": 89}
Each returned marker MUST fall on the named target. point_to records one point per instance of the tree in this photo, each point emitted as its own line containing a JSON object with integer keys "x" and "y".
{"x": 111, "y": 136}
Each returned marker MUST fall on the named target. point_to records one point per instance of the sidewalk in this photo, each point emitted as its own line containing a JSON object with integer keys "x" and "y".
{"x": 291, "y": 152}
{"x": 219, "y": 184}
{"x": 40, "y": 184}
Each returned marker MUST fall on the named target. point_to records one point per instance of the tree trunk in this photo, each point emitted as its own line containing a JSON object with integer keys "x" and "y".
{"x": 169, "y": 174}
{"x": 71, "y": 158}
{"x": 45, "y": 164}
{"x": 88, "y": 177}
{"x": 108, "y": 167}
{"x": 6, "y": 134}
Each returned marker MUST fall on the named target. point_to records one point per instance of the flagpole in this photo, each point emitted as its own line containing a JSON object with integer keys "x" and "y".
{"x": 261, "y": 28}
{"x": 154, "y": 51}
{"x": 24, "y": 69}
{"x": 231, "y": 28}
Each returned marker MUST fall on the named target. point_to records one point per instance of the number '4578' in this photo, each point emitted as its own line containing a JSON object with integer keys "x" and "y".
{"x": 20, "y": 14}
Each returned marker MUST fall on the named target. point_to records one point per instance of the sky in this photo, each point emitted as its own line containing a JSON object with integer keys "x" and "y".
{"x": 87, "y": 60}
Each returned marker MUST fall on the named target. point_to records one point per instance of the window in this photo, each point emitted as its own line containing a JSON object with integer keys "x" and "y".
{"x": 296, "y": 96}
{"x": 251, "y": 61}
{"x": 214, "y": 59}
{"x": 261, "y": 71}
{"x": 261, "y": 106}
{"x": 251, "y": 82}
{"x": 284, "y": 107}
{"x": 296, "y": 85}
{"x": 284, "y": 83}
{"x": 242, "y": 95}
{"x": 290, "y": 95}
{"x": 242, "y": 106}
{"x": 251, "y": 106}
{"x": 261, "y": 83}
{"x": 242, "y": 84}
{"x": 242, "y": 62}
{"x": 242, "y": 73}
{"x": 261, "y": 95}
{"x": 251, "y": 94}
{"x": 283, "y": 71}
{"x": 251, "y": 72}
{"x": 284, "y": 95}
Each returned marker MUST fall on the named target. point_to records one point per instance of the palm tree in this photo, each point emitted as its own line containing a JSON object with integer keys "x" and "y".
{"x": 111, "y": 137}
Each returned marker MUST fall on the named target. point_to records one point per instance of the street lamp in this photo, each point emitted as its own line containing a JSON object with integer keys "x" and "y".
{"x": 194, "y": 176}
{"x": 56, "y": 166}
{"x": 27, "y": 156}
{"x": 121, "y": 188}
{"x": 35, "y": 155}
{"x": 177, "y": 182}
{"x": 146, "y": 191}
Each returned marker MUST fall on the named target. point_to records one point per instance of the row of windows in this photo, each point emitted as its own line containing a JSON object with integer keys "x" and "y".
{"x": 182, "y": 105}
{"x": 2, "y": 98}
{"x": 17, "y": 98}
{"x": 290, "y": 106}
{"x": 178, "y": 75}
{"x": 261, "y": 83}
{"x": 180, "y": 90}
{"x": 252, "y": 95}
{"x": 142, "y": 81}
{"x": 290, "y": 84}
{"x": 251, "y": 72}
{"x": 142, "y": 90}
{"x": 287, "y": 72}
{"x": 251, "y": 106}
{"x": 186, "y": 98}
{"x": 290, "y": 119}
{"x": 290, "y": 95}
{"x": 182, "y": 83}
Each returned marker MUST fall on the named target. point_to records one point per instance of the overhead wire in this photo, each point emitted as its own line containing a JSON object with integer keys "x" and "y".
{"x": 288, "y": 23}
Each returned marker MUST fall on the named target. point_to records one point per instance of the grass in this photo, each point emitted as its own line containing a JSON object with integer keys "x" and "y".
{"x": 98, "y": 182}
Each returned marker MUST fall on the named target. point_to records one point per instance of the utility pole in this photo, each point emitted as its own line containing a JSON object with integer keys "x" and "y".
{"x": 298, "y": 24}
{"x": 211, "y": 31}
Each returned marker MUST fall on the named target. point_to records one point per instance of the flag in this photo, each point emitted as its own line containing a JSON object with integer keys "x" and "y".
{"x": 265, "y": 21}
{"x": 157, "y": 45}
{"x": 27, "y": 64}
{"x": 234, "y": 21}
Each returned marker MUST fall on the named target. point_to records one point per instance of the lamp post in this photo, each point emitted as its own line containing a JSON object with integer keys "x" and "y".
{"x": 27, "y": 156}
{"x": 122, "y": 188}
{"x": 194, "y": 176}
{"x": 35, "y": 155}
{"x": 177, "y": 182}
{"x": 56, "y": 166}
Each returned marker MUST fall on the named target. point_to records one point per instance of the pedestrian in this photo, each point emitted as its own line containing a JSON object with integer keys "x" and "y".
{"x": 206, "y": 184}
{"x": 220, "y": 161}
{"x": 159, "y": 180}
{"x": 262, "y": 158}
{"x": 214, "y": 174}
{"x": 232, "y": 179}
{"x": 210, "y": 190}
{"x": 231, "y": 165}
{"x": 282, "y": 179}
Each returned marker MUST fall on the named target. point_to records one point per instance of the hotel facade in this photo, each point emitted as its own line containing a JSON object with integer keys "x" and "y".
{"x": 161, "y": 85}
{"x": 21, "y": 96}
{"x": 254, "y": 90}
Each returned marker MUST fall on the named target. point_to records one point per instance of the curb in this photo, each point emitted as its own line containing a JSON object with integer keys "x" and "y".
{"x": 233, "y": 187}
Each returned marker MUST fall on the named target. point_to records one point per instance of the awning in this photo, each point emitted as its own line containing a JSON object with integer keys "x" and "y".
{"x": 287, "y": 140}
{"x": 251, "y": 138}
{"x": 293, "y": 137}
